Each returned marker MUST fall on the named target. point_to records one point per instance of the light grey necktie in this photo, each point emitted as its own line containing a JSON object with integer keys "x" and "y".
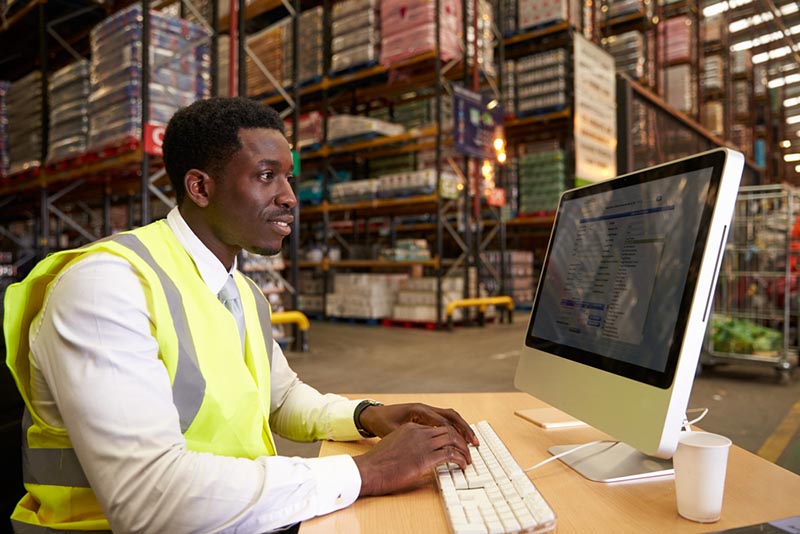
{"x": 229, "y": 296}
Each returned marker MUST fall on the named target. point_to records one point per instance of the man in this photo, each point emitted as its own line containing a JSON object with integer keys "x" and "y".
{"x": 150, "y": 403}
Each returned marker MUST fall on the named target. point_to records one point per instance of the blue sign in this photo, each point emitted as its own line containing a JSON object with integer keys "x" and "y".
{"x": 478, "y": 120}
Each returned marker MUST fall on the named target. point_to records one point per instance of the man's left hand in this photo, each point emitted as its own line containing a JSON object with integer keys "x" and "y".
{"x": 381, "y": 420}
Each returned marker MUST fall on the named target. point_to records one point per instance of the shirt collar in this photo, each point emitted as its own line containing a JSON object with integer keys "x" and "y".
{"x": 211, "y": 269}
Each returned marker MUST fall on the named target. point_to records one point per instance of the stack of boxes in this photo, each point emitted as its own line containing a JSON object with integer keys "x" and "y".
{"x": 509, "y": 22}
{"x": 309, "y": 68}
{"x": 179, "y": 73}
{"x": 713, "y": 80}
{"x": 485, "y": 43}
{"x": 519, "y": 283}
{"x": 311, "y": 292}
{"x": 345, "y": 127}
{"x": 309, "y": 135}
{"x": 69, "y": 112}
{"x": 405, "y": 184}
{"x": 416, "y": 301}
{"x": 509, "y": 89}
{"x": 675, "y": 44}
{"x": 24, "y": 101}
{"x": 713, "y": 73}
{"x": 408, "y": 29}
{"x": 542, "y": 177}
{"x": 741, "y": 70}
{"x": 407, "y": 250}
{"x": 363, "y": 295}
{"x": 355, "y": 35}
{"x": 223, "y": 64}
{"x": 4, "y": 162}
{"x": 533, "y": 14}
{"x": 267, "y": 46}
{"x": 541, "y": 81}
{"x": 629, "y": 51}
{"x": 619, "y": 8}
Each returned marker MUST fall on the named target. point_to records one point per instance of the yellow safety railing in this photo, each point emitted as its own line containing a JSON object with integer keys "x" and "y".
{"x": 504, "y": 302}
{"x": 297, "y": 318}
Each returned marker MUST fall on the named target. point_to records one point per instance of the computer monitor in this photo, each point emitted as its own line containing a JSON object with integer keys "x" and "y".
{"x": 621, "y": 309}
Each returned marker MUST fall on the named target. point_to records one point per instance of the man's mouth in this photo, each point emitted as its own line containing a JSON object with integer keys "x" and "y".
{"x": 282, "y": 225}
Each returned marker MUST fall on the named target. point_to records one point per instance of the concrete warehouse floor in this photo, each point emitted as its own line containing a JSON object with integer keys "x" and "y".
{"x": 746, "y": 403}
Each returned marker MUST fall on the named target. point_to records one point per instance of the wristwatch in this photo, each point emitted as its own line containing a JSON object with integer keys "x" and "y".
{"x": 363, "y": 405}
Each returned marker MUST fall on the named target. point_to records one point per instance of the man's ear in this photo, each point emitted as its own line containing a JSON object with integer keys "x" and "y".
{"x": 199, "y": 187}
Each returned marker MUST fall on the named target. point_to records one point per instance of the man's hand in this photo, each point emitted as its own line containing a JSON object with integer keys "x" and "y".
{"x": 408, "y": 453}
{"x": 381, "y": 420}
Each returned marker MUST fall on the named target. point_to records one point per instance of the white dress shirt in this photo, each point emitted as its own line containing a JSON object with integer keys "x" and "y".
{"x": 95, "y": 370}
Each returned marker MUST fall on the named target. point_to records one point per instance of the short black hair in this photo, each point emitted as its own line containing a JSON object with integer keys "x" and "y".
{"x": 205, "y": 134}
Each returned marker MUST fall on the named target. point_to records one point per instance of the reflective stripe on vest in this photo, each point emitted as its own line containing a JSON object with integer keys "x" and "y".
{"x": 53, "y": 467}
{"x": 27, "y": 528}
{"x": 262, "y": 307}
{"x": 60, "y": 466}
{"x": 189, "y": 385}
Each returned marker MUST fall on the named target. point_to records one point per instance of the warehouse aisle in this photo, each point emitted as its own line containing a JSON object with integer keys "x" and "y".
{"x": 745, "y": 402}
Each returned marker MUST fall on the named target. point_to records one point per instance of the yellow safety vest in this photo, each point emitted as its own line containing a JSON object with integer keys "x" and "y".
{"x": 222, "y": 396}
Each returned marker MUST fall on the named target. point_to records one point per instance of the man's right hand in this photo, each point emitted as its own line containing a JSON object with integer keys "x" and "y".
{"x": 408, "y": 453}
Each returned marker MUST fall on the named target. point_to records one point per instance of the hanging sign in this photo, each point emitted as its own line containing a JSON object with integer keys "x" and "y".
{"x": 477, "y": 123}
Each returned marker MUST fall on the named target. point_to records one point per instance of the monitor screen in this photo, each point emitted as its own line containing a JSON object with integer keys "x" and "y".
{"x": 624, "y": 295}
{"x": 617, "y": 274}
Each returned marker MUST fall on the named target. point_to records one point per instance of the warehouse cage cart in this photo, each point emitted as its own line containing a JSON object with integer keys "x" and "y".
{"x": 755, "y": 315}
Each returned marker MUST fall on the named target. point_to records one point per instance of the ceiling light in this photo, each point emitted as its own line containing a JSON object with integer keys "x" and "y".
{"x": 775, "y": 53}
{"x": 794, "y": 119}
{"x": 722, "y": 7}
{"x": 786, "y": 143}
{"x": 791, "y": 157}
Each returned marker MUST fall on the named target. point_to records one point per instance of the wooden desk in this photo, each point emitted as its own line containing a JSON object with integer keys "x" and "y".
{"x": 755, "y": 489}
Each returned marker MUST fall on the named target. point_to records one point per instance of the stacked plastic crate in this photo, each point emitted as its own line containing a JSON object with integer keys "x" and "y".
{"x": 542, "y": 177}
{"x": 355, "y": 35}
{"x": 69, "y": 112}
{"x": 24, "y": 101}
{"x": 179, "y": 73}
{"x": 3, "y": 129}
{"x": 309, "y": 67}
{"x": 541, "y": 82}
{"x": 408, "y": 29}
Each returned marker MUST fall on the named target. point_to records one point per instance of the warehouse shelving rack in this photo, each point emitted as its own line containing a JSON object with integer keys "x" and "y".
{"x": 126, "y": 171}
{"x": 349, "y": 91}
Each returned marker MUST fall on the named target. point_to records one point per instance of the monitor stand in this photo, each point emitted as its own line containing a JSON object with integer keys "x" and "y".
{"x": 613, "y": 462}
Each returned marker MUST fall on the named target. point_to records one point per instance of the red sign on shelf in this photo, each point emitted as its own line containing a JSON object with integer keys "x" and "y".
{"x": 497, "y": 197}
{"x": 153, "y": 138}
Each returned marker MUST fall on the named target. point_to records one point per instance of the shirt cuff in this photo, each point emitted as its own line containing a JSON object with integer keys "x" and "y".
{"x": 342, "y": 426}
{"x": 338, "y": 482}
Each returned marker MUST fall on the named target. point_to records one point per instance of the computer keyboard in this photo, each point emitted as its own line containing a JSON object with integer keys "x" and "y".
{"x": 493, "y": 494}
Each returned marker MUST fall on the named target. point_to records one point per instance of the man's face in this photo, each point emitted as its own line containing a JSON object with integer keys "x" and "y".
{"x": 253, "y": 199}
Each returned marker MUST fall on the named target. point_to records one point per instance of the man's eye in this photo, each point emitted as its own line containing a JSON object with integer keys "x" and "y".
{"x": 267, "y": 175}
